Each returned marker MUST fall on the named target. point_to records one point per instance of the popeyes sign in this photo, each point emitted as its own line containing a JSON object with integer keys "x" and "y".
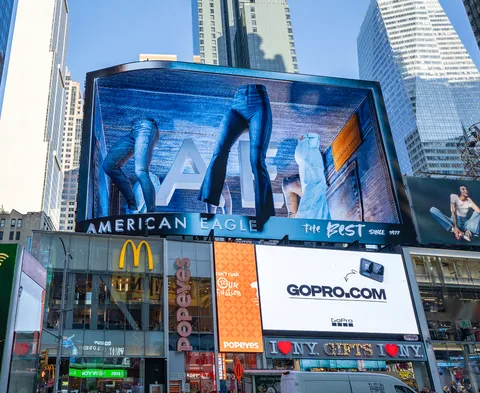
{"x": 183, "y": 300}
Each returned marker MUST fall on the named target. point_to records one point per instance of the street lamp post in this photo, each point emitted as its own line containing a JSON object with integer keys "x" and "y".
{"x": 62, "y": 316}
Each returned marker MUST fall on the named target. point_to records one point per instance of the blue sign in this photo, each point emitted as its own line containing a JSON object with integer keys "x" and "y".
{"x": 191, "y": 224}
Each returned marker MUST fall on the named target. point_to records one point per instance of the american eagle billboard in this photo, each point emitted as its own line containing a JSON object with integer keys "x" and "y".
{"x": 185, "y": 148}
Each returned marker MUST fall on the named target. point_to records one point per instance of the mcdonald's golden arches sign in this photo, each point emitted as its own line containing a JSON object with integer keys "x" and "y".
{"x": 136, "y": 254}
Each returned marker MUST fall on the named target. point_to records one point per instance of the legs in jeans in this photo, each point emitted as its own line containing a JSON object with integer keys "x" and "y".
{"x": 250, "y": 108}
{"x": 442, "y": 219}
{"x": 260, "y": 132}
{"x": 138, "y": 143}
{"x": 473, "y": 224}
{"x": 147, "y": 136}
{"x": 231, "y": 128}
{"x": 118, "y": 155}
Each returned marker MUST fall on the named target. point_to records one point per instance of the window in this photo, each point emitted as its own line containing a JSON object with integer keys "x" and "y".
{"x": 1, "y": 235}
{"x": 253, "y": 16}
{"x": 294, "y": 59}
{"x": 290, "y": 30}
{"x": 201, "y": 29}
{"x": 402, "y": 389}
{"x": 201, "y": 35}
{"x": 10, "y": 237}
{"x": 13, "y": 222}
{"x": 2, "y": 223}
{"x": 212, "y": 11}
{"x": 292, "y": 51}
{"x": 215, "y": 62}
{"x": 17, "y": 235}
{"x": 213, "y": 29}
{"x": 254, "y": 29}
{"x": 252, "y": 9}
{"x": 212, "y": 17}
{"x": 19, "y": 223}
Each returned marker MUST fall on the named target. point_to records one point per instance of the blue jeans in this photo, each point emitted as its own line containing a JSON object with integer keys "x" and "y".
{"x": 250, "y": 109}
{"x": 472, "y": 224}
{"x": 139, "y": 143}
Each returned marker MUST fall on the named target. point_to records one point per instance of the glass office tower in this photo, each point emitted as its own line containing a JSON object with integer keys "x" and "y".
{"x": 429, "y": 82}
{"x": 6, "y": 11}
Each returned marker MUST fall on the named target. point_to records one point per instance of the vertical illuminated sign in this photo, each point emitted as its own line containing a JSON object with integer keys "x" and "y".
{"x": 239, "y": 324}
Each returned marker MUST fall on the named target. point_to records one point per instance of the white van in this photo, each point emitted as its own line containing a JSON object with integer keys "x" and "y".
{"x": 340, "y": 382}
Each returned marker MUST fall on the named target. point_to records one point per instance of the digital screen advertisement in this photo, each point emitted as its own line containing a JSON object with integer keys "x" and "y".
{"x": 171, "y": 138}
{"x": 450, "y": 215}
{"x": 239, "y": 323}
{"x": 316, "y": 290}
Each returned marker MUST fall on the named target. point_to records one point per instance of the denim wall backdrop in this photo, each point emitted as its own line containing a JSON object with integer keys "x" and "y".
{"x": 324, "y": 144}
{"x": 451, "y": 215}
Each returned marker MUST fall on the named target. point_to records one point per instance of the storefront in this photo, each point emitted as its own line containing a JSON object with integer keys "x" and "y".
{"x": 405, "y": 360}
{"x": 449, "y": 284}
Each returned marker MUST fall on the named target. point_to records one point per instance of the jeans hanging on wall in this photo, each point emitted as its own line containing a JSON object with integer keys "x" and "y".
{"x": 139, "y": 143}
{"x": 312, "y": 177}
{"x": 250, "y": 109}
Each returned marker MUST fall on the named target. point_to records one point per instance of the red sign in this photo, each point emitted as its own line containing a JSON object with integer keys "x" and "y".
{"x": 238, "y": 370}
{"x": 183, "y": 301}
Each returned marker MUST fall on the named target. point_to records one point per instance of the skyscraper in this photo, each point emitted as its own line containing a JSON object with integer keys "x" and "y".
{"x": 473, "y": 11}
{"x": 243, "y": 33}
{"x": 6, "y": 17}
{"x": 72, "y": 137}
{"x": 33, "y": 108}
{"x": 429, "y": 82}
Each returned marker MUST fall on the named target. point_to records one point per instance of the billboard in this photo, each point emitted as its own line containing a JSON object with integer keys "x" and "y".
{"x": 181, "y": 145}
{"x": 450, "y": 214}
{"x": 239, "y": 323}
{"x": 314, "y": 290}
{"x": 8, "y": 259}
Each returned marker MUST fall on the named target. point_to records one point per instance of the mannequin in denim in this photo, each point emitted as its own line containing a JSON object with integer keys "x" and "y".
{"x": 250, "y": 109}
{"x": 138, "y": 143}
{"x": 312, "y": 177}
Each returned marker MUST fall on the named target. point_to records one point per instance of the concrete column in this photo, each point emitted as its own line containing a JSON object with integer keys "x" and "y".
{"x": 422, "y": 321}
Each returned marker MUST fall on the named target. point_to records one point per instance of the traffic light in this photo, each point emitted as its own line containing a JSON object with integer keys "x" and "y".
{"x": 43, "y": 363}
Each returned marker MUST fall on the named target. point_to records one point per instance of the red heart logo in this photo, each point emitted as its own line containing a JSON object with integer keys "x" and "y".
{"x": 21, "y": 348}
{"x": 391, "y": 349}
{"x": 284, "y": 347}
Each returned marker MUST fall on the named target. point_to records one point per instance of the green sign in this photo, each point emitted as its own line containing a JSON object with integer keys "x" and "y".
{"x": 97, "y": 373}
{"x": 8, "y": 257}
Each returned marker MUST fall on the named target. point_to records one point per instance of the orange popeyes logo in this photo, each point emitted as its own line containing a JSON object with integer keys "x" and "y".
{"x": 239, "y": 324}
{"x": 136, "y": 254}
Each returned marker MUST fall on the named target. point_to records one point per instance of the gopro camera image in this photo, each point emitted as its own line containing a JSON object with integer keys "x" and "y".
{"x": 372, "y": 270}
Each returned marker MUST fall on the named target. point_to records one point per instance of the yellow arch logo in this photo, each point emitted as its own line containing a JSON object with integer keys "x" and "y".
{"x": 136, "y": 254}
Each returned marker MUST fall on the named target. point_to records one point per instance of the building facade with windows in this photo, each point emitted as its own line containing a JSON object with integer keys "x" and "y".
{"x": 36, "y": 182}
{"x": 17, "y": 228}
{"x": 245, "y": 34}
{"x": 428, "y": 79}
{"x": 473, "y": 11}
{"x": 449, "y": 283}
{"x": 72, "y": 137}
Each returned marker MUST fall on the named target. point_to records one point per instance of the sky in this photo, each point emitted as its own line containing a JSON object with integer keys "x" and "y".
{"x": 104, "y": 33}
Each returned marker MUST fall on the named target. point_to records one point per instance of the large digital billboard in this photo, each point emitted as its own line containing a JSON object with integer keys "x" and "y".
{"x": 170, "y": 141}
{"x": 450, "y": 215}
{"x": 316, "y": 290}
